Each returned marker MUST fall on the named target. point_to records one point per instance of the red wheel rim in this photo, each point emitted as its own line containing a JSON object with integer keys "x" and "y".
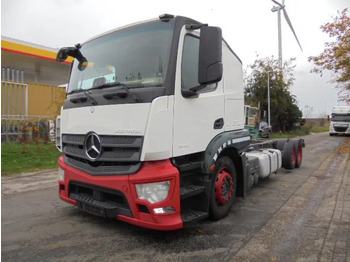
{"x": 223, "y": 187}
{"x": 300, "y": 154}
{"x": 294, "y": 155}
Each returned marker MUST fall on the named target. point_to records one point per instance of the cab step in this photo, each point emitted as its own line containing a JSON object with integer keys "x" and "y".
{"x": 190, "y": 166}
{"x": 191, "y": 190}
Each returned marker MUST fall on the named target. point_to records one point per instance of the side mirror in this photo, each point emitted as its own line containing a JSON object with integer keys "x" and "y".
{"x": 210, "y": 55}
{"x": 64, "y": 52}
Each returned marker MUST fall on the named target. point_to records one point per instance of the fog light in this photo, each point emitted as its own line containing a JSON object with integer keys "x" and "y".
{"x": 153, "y": 192}
{"x": 60, "y": 174}
{"x": 164, "y": 210}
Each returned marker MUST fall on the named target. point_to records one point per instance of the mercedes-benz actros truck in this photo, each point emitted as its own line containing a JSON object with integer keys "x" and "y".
{"x": 152, "y": 129}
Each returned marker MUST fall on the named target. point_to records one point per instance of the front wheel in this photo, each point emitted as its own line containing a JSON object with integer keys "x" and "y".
{"x": 223, "y": 188}
{"x": 299, "y": 151}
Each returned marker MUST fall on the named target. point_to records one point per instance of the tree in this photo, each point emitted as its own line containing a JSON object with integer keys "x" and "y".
{"x": 284, "y": 111}
{"x": 336, "y": 55}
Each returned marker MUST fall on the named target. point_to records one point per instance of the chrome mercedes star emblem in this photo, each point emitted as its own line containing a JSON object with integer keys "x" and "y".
{"x": 93, "y": 146}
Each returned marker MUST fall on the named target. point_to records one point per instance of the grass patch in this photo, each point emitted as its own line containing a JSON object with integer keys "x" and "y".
{"x": 18, "y": 158}
{"x": 302, "y": 131}
{"x": 281, "y": 135}
{"x": 319, "y": 129}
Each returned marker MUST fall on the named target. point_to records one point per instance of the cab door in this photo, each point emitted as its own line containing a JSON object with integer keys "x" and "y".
{"x": 197, "y": 119}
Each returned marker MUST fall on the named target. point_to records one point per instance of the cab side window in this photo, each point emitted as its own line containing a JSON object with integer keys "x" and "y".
{"x": 189, "y": 67}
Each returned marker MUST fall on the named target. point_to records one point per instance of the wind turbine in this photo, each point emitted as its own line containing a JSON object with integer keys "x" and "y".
{"x": 278, "y": 9}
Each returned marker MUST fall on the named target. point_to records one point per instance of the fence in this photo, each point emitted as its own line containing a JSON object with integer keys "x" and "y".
{"x": 17, "y": 122}
{"x": 14, "y": 98}
{"x": 27, "y": 128}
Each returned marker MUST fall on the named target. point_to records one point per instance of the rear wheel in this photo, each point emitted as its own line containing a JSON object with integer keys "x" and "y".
{"x": 289, "y": 156}
{"x": 280, "y": 143}
{"x": 223, "y": 188}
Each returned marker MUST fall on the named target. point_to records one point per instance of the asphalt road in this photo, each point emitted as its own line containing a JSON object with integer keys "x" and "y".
{"x": 273, "y": 223}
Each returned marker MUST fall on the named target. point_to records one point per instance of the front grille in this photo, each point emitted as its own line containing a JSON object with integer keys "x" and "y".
{"x": 119, "y": 154}
{"x": 340, "y": 128}
{"x": 110, "y": 200}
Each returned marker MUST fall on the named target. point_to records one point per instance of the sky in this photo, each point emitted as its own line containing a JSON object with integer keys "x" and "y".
{"x": 249, "y": 27}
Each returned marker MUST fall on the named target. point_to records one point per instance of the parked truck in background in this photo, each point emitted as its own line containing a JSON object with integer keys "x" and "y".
{"x": 251, "y": 119}
{"x": 152, "y": 129}
{"x": 340, "y": 120}
{"x": 254, "y": 124}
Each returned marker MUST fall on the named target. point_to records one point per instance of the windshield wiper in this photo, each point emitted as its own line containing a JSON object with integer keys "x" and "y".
{"x": 122, "y": 86}
{"x": 82, "y": 99}
{"x": 106, "y": 85}
{"x": 87, "y": 94}
{"x": 75, "y": 91}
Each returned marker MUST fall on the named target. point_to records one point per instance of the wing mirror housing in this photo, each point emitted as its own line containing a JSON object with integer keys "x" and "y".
{"x": 64, "y": 52}
{"x": 210, "y": 67}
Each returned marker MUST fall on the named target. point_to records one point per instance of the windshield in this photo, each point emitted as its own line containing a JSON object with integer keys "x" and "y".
{"x": 137, "y": 56}
{"x": 340, "y": 117}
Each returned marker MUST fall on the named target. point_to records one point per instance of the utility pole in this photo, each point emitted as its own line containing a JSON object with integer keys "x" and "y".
{"x": 268, "y": 98}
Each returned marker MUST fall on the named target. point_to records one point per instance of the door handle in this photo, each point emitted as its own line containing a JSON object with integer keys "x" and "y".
{"x": 219, "y": 123}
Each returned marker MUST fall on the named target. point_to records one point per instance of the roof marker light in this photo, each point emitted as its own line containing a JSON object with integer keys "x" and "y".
{"x": 166, "y": 17}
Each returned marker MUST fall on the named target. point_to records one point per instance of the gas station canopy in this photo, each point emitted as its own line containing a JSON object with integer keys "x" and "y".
{"x": 38, "y": 62}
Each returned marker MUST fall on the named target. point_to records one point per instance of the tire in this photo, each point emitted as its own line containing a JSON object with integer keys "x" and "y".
{"x": 298, "y": 144}
{"x": 331, "y": 134}
{"x": 280, "y": 143}
{"x": 256, "y": 179}
{"x": 289, "y": 155}
{"x": 223, "y": 189}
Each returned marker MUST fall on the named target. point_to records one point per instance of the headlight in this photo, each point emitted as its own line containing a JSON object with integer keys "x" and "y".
{"x": 60, "y": 174}
{"x": 153, "y": 192}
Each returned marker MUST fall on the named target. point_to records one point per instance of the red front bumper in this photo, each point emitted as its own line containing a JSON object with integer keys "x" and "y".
{"x": 150, "y": 172}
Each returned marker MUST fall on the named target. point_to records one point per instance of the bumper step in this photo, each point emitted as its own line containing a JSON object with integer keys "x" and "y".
{"x": 99, "y": 208}
{"x": 193, "y": 215}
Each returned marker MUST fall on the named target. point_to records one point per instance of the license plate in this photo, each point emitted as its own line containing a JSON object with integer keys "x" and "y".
{"x": 98, "y": 211}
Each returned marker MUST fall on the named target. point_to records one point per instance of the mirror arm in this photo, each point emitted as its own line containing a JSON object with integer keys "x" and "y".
{"x": 195, "y": 26}
{"x": 189, "y": 93}
{"x": 197, "y": 88}
{"x": 79, "y": 56}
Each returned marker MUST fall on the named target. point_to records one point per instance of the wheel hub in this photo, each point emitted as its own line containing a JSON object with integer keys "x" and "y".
{"x": 223, "y": 187}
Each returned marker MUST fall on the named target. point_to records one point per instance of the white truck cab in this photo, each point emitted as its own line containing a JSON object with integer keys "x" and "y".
{"x": 340, "y": 120}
